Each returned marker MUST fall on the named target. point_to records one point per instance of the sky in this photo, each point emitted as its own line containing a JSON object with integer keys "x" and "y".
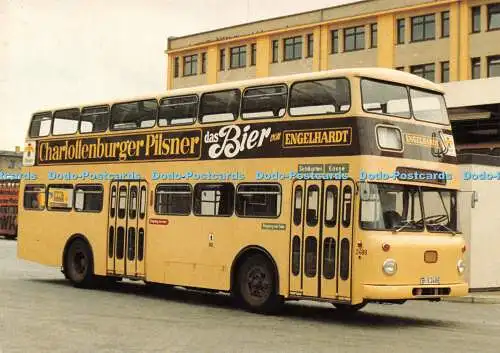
{"x": 59, "y": 53}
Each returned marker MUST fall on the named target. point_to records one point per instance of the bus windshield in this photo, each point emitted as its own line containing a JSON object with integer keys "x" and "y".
{"x": 395, "y": 99}
{"x": 408, "y": 208}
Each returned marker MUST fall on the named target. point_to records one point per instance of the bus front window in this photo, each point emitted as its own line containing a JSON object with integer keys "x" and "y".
{"x": 428, "y": 106}
{"x": 390, "y": 207}
{"x": 440, "y": 209}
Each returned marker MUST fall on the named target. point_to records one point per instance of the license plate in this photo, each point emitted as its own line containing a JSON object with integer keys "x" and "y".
{"x": 429, "y": 280}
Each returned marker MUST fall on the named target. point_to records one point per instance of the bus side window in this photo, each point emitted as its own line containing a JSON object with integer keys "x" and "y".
{"x": 34, "y": 197}
{"x": 134, "y": 115}
{"x": 142, "y": 203}
{"x": 214, "y": 199}
{"x": 312, "y": 205}
{"x": 258, "y": 200}
{"x": 220, "y": 106}
{"x": 132, "y": 206}
{"x": 66, "y": 121}
{"x": 178, "y": 110}
{"x": 41, "y": 124}
{"x": 94, "y": 119}
{"x": 346, "y": 206}
{"x": 331, "y": 206}
{"x": 88, "y": 198}
{"x": 297, "y": 209}
{"x": 122, "y": 201}
{"x": 264, "y": 102}
{"x": 113, "y": 202}
{"x": 173, "y": 199}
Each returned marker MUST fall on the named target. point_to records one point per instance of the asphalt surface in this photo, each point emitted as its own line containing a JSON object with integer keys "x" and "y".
{"x": 41, "y": 312}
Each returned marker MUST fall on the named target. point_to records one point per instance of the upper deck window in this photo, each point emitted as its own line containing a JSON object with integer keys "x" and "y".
{"x": 94, "y": 119}
{"x": 178, "y": 110}
{"x": 264, "y": 102}
{"x": 385, "y": 98}
{"x": 220, "y": 106}
{"x": 41, "y": 124}
{"x": 134, "y": 115}
{"x": 329, "y": 96}
{"x": 66, "y": 121}
{"x": 428, "y": 106}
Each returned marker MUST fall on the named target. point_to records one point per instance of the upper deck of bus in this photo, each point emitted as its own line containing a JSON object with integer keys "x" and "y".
{"x": 376, "y": 73}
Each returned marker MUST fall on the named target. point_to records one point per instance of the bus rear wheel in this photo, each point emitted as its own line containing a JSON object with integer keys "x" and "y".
{"x": 79, "y": 264}
{"x": 256, "y": 285}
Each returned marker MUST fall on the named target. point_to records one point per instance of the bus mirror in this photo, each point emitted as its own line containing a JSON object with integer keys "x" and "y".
{"x": 474, "y": 199}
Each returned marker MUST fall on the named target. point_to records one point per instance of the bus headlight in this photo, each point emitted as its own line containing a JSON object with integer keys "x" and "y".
{"x": 389, "y": 138}
{"x": 461, "y": 266}
{"x": 390, "y": 267}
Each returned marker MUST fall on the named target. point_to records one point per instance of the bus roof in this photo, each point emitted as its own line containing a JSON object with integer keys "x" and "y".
{"x": 378, "y": 73}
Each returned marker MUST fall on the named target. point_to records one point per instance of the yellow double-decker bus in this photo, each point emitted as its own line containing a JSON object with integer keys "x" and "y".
{"x": 337, "y": 186}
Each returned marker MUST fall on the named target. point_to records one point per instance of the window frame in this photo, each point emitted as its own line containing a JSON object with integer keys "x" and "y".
{"x": 200, "y": 117}
{"x": 176, "y": 67}
{"x": 443, "y": 64}
{"x": 253, "y": 54}
{"x": 355, "y": 35}
{"x": 374, "y": 35}
{"x": 410, "y": 88}
{"x": 216, "y": 183}
{"x": 265, "y": 86}
{"x": 60, "y": 186}
{"x": 275, "y": 51}
{"x": 322, "y": 79}
{"x": 54, "y": 120}
{"x": 445, "y": 19}
{"x": 334, "y": 33}
{"x": 203, "y": 63}
{"x": 424, "y": 24}
{"x": 191, "y": 61}
{"x": 489, "y": 14}
{"x": 94, "y": 107}
{"x": 280, "y": 208}
{"x": 102, "y": 199}
{"x": 400, "y": 31}
{"x": 240, "y": 52}
{"x": 407, "y": 89}
{"x": 295, "y": 41}
{"x": 195, "y": 118}
{"x": 44, "y": 192}
{"x": 423, "y": 66}
{"x": 111, "y": 128}
{"x": 191, "y": 204}
{"x": 310, "y": 45}
{"x": 475, "y": 11}
{"x": 47, "y": 113}
{"x": 473, "y": 62}
{"x": 489, "y": 59}
{"x": 222, "y": 59}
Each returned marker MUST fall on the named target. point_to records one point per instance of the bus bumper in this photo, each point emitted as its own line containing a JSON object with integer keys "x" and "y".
{"x": 374, "y": 292}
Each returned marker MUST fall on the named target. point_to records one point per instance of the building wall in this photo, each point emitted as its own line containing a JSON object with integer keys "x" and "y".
{"x": 455, "y": 51}
{"x": 10, "y": 162}
{"x": 480, "y": 227}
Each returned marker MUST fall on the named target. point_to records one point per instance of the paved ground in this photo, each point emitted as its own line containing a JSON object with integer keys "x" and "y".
{"x": 40, "y": 312}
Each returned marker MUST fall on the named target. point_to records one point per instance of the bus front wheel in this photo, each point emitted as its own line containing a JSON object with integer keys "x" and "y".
{"x": 256, "y": 286}
{"x": 79, "y": 264}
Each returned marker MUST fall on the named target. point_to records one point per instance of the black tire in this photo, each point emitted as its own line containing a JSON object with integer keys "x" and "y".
{"x": 349, "y": 309}
{"x": 256, "y": 285}
{"x": 79, "y": 264}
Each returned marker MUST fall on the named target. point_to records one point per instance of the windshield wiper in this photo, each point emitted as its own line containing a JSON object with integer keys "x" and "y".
{"x": 447, "y": 229}
{"x": 406, "y": 224}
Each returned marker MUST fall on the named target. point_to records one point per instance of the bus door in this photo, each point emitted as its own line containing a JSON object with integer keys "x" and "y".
{"x": 321, "y": 236}
{"x": 126, "y": 228}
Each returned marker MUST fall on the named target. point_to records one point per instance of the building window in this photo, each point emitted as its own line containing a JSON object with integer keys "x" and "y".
{"x": 253, "y": 57}
{"x": 476, "y": 19}
{"x": 238, "y": 57}
{"x": 275, "y": 51}
{"x": 190, "y": 65}
{"x": 401, "y": 31}
{"x": 293, "y": 48}
{"x": 445, "y": 71}
{"x": 493, "y": 16}
{"x": 475, "y": 68}
{"x": 354, "y": 38}
{"x": 423, "y": 28}
{"x": 426, "y": 71}
{"x": 203, "y": 63}
{"x": 494, "y": 66}
{"x": 213, "y": 199}
{"x": 445, "y": 24}
{"x": 222, "y": 58}
{"x": 373, "y": 35}
{"x": 176, "y": 66}
{"x": 310, "y": 45}
{"x": 335, "y": 41}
